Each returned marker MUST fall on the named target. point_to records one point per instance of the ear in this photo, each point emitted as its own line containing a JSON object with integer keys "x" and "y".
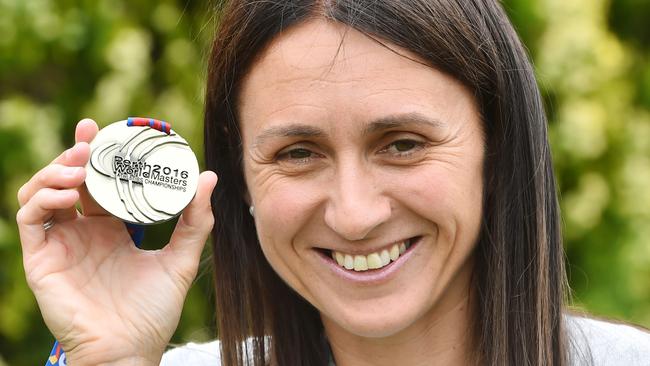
{"x": 247, "y": 199}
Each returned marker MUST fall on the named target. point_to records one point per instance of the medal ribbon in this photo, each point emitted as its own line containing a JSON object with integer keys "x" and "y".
{"x": 153, "y": 123}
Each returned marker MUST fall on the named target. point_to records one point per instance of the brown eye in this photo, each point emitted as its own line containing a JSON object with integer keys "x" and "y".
{"x": 404, "y": 145}
{"x": 299, "y": 154}
{"x": 403, "y": 148}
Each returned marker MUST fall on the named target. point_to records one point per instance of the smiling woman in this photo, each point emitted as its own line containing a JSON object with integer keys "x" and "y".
{"x": 393, "y": 157}
{"x": 356, "y": 181}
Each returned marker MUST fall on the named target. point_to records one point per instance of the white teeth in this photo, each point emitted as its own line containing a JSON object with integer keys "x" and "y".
{"x": 373, "y": 260}
{"x": 348, "y": 262}
{"x": 394, "y": 252}
{"x": 340, "y": 258}
{"x": 360, "y": 263}
{"x": 385, "y": 257}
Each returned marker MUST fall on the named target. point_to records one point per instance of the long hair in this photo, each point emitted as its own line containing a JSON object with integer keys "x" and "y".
{"x": 519, "y": 276}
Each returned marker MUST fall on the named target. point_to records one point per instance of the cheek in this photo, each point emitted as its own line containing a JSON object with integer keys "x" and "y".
{"x": 285, "y": 207}
{"x": 450, "y": 198}
{"x": 282, "y": 211}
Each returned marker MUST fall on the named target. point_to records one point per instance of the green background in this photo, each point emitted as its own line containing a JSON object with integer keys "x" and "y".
{"x": 64, "y": 60}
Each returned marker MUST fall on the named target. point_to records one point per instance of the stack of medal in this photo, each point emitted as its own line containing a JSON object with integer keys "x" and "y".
{"x": 141, "y": 171}
{"x": 139, "y": 175}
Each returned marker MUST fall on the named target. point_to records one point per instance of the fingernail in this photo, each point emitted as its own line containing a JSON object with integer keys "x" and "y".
{"x": 70, "y": 171}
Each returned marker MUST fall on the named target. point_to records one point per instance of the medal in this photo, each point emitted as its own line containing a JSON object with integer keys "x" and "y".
{"x": 141, "y": 171}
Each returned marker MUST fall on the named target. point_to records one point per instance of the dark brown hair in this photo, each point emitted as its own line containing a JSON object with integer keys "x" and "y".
{"x": 519, "y": 275}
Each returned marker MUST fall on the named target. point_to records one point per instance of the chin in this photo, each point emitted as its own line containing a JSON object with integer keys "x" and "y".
{"x": 375, "y": 324}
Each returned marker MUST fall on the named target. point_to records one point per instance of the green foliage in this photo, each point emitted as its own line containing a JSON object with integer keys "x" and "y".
{"x": 64, "y": 60}
{"x": 592, "y": 65}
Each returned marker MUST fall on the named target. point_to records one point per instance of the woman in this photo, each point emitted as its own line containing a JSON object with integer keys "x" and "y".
{"x": 386, "y": 197}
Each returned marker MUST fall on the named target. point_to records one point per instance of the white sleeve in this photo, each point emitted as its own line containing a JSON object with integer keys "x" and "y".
{"x": 193, "y": 354}
{"x": 608, "y": 344}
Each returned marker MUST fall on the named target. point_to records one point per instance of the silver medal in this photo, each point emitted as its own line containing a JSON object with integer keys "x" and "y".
{"x": 141, "y": 174}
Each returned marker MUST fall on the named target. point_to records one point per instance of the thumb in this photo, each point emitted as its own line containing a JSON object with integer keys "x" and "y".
{"x": 192, "y": 229}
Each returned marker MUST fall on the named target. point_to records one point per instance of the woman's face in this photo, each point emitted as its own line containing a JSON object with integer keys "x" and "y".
{"x": 351, "y": 151}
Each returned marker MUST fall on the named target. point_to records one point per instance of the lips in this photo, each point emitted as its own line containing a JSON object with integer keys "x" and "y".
{"x": 378, "y": 259}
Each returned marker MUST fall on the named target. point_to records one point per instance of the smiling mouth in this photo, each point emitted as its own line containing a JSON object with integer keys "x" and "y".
{"x": 371, "y": 261}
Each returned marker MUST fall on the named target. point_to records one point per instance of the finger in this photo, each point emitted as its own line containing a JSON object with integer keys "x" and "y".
{"x": 43, "y": 205}
{"x": 77, "y": 155}
{"x": 193, "y": 227}
{"x": 52, "y": 176}
{"x": 85, "y": 132}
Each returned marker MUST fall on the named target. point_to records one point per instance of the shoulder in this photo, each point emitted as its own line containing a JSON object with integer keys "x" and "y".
{"x": 193, "y": 354}
{"x": 606, "y": 343}
{"x": 591, "y": 342}
{"x": 204, "y": 354}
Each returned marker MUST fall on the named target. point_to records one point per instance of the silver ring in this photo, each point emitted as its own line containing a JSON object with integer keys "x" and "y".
{"x": 48, "y": 224}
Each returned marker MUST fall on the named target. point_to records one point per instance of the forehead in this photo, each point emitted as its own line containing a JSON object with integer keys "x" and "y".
{"x": 326, "y": 51}
{"x": 320, "y": 66}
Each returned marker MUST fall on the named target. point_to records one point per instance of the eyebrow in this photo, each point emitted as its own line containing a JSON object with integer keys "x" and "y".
{"x": 291, "y": 130}
{"x": 378, "y": 125}
{"x": 402, "y": 120}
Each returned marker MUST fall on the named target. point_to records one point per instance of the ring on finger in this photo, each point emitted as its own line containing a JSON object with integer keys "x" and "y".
{"x": 48, "y": 224}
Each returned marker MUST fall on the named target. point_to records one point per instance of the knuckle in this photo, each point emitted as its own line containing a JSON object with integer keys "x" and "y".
{"x": 32, "y": 280}
{"x": 20, "y": 215}
{"x": 40, "y": 179}
{"x": 22, "y": 194}
{"x": 43, "y": 175}
{"x": 40, "y": 194}
{"x": 196, "y": 225}
{"x": 209, "y": 221}
{"x": 189, "y": 223}
{"x": 204, "y": 221}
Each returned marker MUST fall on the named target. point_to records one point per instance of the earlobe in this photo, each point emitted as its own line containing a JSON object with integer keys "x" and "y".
{"x": 251, "y": 208}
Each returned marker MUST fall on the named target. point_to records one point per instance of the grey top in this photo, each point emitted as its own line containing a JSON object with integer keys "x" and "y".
{"x": 607, "y": 344}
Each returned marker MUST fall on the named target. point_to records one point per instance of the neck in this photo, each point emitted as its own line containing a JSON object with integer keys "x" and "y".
{"x": 442, "y": 336}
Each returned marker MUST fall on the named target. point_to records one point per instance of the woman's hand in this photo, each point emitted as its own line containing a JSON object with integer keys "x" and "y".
{"x": 105, "y": 300}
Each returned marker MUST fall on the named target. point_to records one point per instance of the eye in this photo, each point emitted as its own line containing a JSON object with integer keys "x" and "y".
{"x": 403, "y": 147}
{"x": 297, "y": 155}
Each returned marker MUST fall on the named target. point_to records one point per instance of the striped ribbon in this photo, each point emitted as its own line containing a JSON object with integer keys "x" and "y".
{"x": 153, "y": 123}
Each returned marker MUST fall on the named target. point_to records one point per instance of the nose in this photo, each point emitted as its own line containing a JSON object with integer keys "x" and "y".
{"x": 357, "y": 204}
